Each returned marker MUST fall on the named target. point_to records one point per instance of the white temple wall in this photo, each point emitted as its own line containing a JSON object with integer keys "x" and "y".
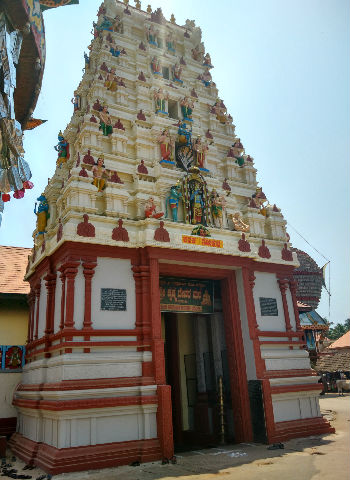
{"x": 247, "y": 342}
{"x": 295, "y": 406}
{"x": 113, "y": 273}
{"x": 266, "y": 286}
{"x": 42, "y": 309}
{"x": 89, "y": 426}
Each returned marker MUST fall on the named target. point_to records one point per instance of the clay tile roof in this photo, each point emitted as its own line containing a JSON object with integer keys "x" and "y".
{"x": 333, "y": 361}
{"x": 13, "y": 264}
{"x": 342, "y": 342}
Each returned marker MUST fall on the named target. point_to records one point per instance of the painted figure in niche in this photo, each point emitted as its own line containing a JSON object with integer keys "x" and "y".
{"x": 151, "y": 210}
{"x": 187, "y": 107}
{"x": 160, "y": 99}
{"x": 170, "y": 43}
{"x": 156, "y": 66}
{"x": 76, "y": 101}
{"x": 260, "y": 200}
{"x": 217, "y": 206}
{"x": 207, "y": 61}
{"x": 184, "y": 135}
{"x": 173, "y": 200}
{"x": 200, "y": 148}
{"x": 206, "y": 78}
{"x": 105, "y": 122}
{"x": 111, "y": 81}
{"x": 63, "y": 150}
{"x": 98, "y": 172}
{"x": 197, "y": 53}
{"x": 177, "y": 71}
{"x": 238, "y": 151}
{"x": 13, "y": 358}
{"x": 197, "y": 204}
{"x": 42, "y": 213}
{"x": 220, "y": 111}
{"x": 166, "y": 143}
{"x": 152, "y": 35}
{"x": 118, "y": 25}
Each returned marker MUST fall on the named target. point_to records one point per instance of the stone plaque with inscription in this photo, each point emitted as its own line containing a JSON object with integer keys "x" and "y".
{"x": 113, "y": 299}
{"x": 268, "y": 307}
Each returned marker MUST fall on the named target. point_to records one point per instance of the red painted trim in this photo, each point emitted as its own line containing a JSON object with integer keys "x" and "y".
{"x": 268, "y": 409}
{"x": 63, "y": 296}
{"x": 280, "y": 334}
{"x": 88, "y": 271}
{"x": 55, "y": 461}
{"x": 304, "y": 427}
{"x": 96, "y": 383}
{"x": 37, "y": 303}
{"x": 70, "y": 270}
{"x": 82, "y": 404}
{"x": 236, "y": 360}
{"x": 276, "y": 389}
{"x": 290, "y": 373}
{"x": 164, "y": 421}
{"x": 293, "y": 288}
{"x": 158, "y": 342}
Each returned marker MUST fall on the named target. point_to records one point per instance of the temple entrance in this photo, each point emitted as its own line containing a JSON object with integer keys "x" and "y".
{"x": 197, "y": 369}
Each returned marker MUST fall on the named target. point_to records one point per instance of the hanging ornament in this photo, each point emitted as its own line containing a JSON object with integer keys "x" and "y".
{"x": 19, "y": 193}
{"x": 24, "y": 170}
{"x": 14, "y": 178}
{"x": 28, "y": 185}
{"x": 6, "y": 197}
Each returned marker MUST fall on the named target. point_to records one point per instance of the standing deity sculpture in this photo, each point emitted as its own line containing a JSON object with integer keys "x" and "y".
{"x": 200, "y": 148}
{"x": 76, "y": 101}
{"x": 105, "y": 122}
{"x": 187, "y": 107}
{"x": 98, "y": 172}
{"x": 177, "y": 71}
{"x": 238, "y": 150}
{"x": 156, "y": 66}
{"x": 217, "y": 206}
{"x": 166, "y": 143}
{"x": 62, "y": 148}
{"x": 42, "y": 213}
{"x": 170, "y": 42}
{"x": 173, "y": 201}
{"x": 152, "y": 36}
{"x": 259, "y": 198}
{"x": 197, "y": 53}
{"x": 206, "y": 78}
{"x": 195, "y": 198}
{"x": 160, "y": 100}
{"x": 220, "y": 111}
{"x": 111, "y": 80}
{"x": 207, "y": 61}
{"x": 118, "y": 25}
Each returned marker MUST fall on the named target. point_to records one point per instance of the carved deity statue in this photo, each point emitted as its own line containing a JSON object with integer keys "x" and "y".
{"x": 111, "y": 80}
{"x": 98, "y": 172}
{"x": 151, "y": 209}
{"x": 238, "y": 223}
{"x": 170, "y": 43}
{"x": 160, "y": 99}
{"x": 200, "y": 148}
{"x": 156, "y": 66}
{"x": 166, "y": 143}
{"x": 207, "y": 61}
{"x": 62, "y": 148}
{"x": 206, "y": 78}
{"x": 217, "y": 206}
{"x": 173, "y": 200}
{"x": 187, "y": 107}
{"x": 105, "y": 122}
{"x": 220, "y": 111}
{"x": 177, "y": 71}
{"x": 42, "y": 213}
{"x": 152, "y": 36}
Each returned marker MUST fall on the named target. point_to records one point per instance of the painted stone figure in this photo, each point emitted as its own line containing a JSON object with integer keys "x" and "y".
{"x": 166, "y": 143}
{"x": 76, "y": 101}
{"x": 217, "y": 206}
{"x": 220, "y": 111}
{"x": 173, "y": 200}
{"x": 118, "y": 25}
{"x": 170, "y": 43}
{"x": 197, "y": 53}
{"x": 62, "y": 148}
{"x": 156, "y": 66}
{"x": 238, "y": 151}
{"x": 151, "y": 35}
{"x": 111, "y": 81}
{"x": 98, "y": 172}
{"x": 200, "y": 148}
{"x": 260, "y": 200}
{"x": 207, "y": 61}
{"x": 105, "y": 122}
{"x": 160, "y": 99}
{"x": 151, "y": 210}
{"x": 195, "y": 198}
{"x": 187, "y": 107}
{"x": 238, "y": 223}
{"x": 184, "y": 135}
{"x": 42, "y": 213}
{"x": 197, "y": 204}
{"x": 177, "y": 72}
{"x": 206, "y": 78}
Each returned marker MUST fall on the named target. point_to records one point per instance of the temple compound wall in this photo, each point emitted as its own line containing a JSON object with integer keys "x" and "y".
{"x": 162, "y": 302}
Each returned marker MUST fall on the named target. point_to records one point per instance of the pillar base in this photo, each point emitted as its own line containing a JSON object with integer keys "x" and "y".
{"x": 300, "y": 428}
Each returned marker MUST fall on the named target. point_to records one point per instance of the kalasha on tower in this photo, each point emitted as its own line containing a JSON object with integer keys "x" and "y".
{"x": 162, "y": 306}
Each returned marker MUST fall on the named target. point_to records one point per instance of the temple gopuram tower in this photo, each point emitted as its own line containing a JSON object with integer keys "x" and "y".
{"x": 162, "y": 306}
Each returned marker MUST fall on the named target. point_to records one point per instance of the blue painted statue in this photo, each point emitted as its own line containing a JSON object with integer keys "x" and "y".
{"x": 185, "y": 136}
{"x": 62, "y": 148}
{"x": 173, "y": 199}
{"x": 42, "y": 213}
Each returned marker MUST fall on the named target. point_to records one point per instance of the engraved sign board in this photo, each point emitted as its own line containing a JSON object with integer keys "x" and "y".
{"x": 185, "y": 295}
{"x": 113, "y": 299}
{"x": 268, "y": 307}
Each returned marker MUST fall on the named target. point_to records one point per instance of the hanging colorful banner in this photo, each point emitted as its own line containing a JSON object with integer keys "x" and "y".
{"x": 185, "y": 295}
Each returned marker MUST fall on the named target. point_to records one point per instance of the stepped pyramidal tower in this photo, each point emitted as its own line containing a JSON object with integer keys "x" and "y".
{"x": 162, "y": 306}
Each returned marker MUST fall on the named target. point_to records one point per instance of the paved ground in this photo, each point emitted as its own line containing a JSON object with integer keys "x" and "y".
{"x": 314, "y": 458}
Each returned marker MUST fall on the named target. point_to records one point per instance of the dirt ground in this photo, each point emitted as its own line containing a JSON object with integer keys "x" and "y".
{"x": 313, "y": 458}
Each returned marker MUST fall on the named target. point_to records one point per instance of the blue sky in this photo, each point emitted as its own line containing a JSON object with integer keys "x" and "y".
{"x": 282, "y": 68}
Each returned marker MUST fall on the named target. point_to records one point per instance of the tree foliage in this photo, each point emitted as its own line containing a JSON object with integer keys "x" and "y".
{"x": 338, "y": 330}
